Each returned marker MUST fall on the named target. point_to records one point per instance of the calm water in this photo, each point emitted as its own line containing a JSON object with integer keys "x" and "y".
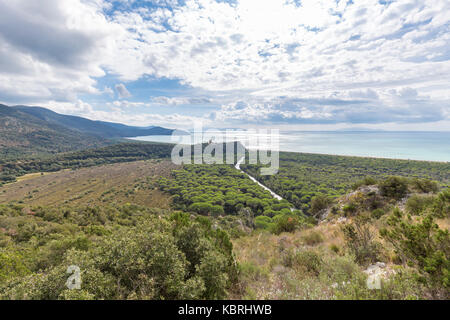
{"x": 432, "y": 146}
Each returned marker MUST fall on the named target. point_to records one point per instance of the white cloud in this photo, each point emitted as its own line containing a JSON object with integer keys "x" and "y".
{"x": 108, "y": 91}
{"x": 175, "y": 101}
{"x": 354, "y": 106}
{"x": 118, "y": 111}
{"x": 323, "y": 60}
{"x": 274, "y": 43}
{"x": 51, "y": 50}
{"x": 122, "y": 91}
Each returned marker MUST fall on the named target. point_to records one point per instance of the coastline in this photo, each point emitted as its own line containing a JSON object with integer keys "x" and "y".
{"x": 287, "y": 149}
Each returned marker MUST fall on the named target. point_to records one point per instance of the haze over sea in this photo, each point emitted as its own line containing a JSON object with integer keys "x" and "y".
{"x": 413, "y": 145}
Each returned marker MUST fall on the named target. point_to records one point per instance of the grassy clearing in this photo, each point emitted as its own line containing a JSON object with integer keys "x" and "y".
{"x": 281, "y": 266}
{"x": 120, "y": 183}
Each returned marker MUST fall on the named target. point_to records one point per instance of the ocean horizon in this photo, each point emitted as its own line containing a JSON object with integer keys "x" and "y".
{"x": 407, "y": 145}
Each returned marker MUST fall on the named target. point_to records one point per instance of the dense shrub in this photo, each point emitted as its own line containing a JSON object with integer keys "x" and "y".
{"x": 313, "y": 238}
{"x": 394, "y": 187}
{"x": 424, "y": 185}
{"x": 416, "y": 204}
{"x": 424, "y": 245}
{"x": 377, "y": 213}
{"x": 201, "y": 207}
{"x": 11, "y": 265}
{"x": 367, "y": 181}
{"x": 263, "y": 222}
{"x": 350, "y": 208}
{"x": 286, "y": 223}
{"x": 441, "y": 204}
{"x": 360, "y": 241}
{"x": 175, "y": 257}
{"x": 319, "y": 203}
{"x": 308, "y": 260}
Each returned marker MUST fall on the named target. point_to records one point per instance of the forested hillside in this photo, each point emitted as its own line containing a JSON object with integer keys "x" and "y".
{"x": 98, "y": 128}
{"x": 35, "y": 131}
{"x": 24, "y": 134}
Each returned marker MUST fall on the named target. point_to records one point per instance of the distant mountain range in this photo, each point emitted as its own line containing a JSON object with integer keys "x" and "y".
{"x": 37, "y": 129}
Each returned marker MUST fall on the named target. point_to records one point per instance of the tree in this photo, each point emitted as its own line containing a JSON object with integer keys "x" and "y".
{"x": 201, "y": 207}
{"x": 216, "y": 210}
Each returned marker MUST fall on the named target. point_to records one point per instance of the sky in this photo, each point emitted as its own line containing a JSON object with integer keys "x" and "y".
{"x": 287, "y": 64}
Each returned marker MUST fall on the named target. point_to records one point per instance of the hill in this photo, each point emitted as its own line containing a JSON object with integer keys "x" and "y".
{"x": 99, "y": 128}
{"x": 35, "y": 130}
{"x": 23, "y": 133}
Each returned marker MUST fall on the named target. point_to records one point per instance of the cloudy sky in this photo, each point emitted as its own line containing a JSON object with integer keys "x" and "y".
{"x": 291, "y": 64}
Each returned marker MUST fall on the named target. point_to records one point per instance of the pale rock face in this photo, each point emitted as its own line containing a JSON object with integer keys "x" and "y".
{"x": 376, "y": 273}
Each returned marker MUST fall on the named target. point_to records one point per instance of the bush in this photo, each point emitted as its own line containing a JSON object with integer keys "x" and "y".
{"x": 286, "y": 223}
{"x": 335, "y": 248}
{"x": 217, "y": 210}
{"x": 212, "y": 270}
{"x": 172, "y": 257}
{"x": 441, "y": 204}
{"x": 313, "y": 238}
{"x": 11, "y": 265}
{"x": 424, "y": 185}
{"x": 75, "y": 295}
{"x": 308, "y": 260}
{"x": 339, "y": 270}
{"x": 201, "y": 207}
{"x": 319, "y": 203}
{"x": 423, "y": 245}
{"x": 263, "y": 222}
{"x": 377, "y": 213}
{"x": 367, "y": 181}
{"x": 360, "y": 241}
{"x": 416, "y": 204}
{"x": 249, "y": 274}
{"x": 349, "y": 209}
{"x": 394, "y": 187}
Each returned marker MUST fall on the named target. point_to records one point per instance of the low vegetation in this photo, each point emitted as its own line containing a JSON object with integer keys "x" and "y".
{"x": 148, "y": 229}
{"x": 127, "y": 252}
{"x": 331, "y": 260}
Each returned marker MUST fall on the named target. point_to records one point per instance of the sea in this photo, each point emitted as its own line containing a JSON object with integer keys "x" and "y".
{"x": 412, "y": 145}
